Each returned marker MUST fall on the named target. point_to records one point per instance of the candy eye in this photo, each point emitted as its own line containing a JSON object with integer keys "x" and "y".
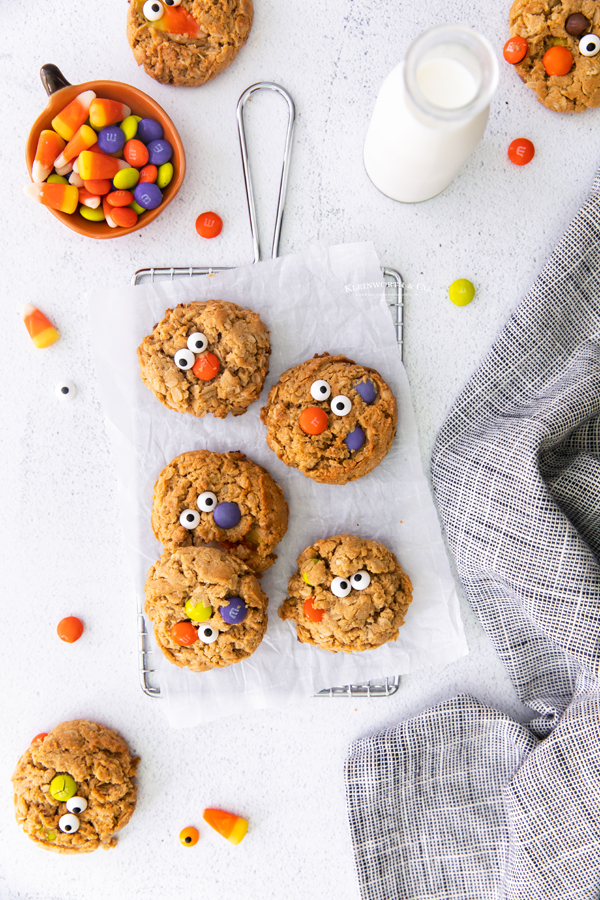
{"x": 589, "y": 45}
{"x": 189, "y": 518}
{"x": 320, "y": 390}
{"x": 184, "y": 359}
{"x": 208, "y": 634}
{"x": 197, "y": 342}
{"x": 340, "y": 405}
{"x": 77, "y": 804}
{"x": 360, "y": 580}
{"x": 153, "y": 10}
{"x": 207, "y": 501}
{"x": 68, "y": 823}
{"x": 171, "y": 2}
{"x": 340, "y": 587}
{"x": 65, "y": 390}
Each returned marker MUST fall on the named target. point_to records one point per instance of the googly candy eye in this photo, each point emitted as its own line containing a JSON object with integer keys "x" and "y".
{"x": 68, "y": 823}
{"x": 189, "y": 518}
{"x": 340, "y": 587}
{"x": 77, "y": 805}
{"x": 208, "y": 634}
{"x": 320, "y": 390}
{"x": 65, "y": 390}
{"x": 184, "y": 359}
{"x": 153, "y": 10}
{"x": 197, "y": 342}
{"x": 172, "y": 2}
{"x": 340, "y": 405}
{"x": 360, "y": 580}
{"x": 589, "y": 45}
{"x": 207, "y": 501}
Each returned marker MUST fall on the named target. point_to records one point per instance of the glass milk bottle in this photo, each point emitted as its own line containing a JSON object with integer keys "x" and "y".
{"x": 430, "y": 113}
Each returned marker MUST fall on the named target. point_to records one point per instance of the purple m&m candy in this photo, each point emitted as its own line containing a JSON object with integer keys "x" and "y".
{"x": 111, "y": 139}
{"x": 355, "y": 439}
{"x": 149, "y": 130}
{"x": 366, "y": 389}
{"x": 226, "y": 515}
{"x": 235, "y": 612}
{"x": 148, "y": 195}
{"x": 159, "y": 152}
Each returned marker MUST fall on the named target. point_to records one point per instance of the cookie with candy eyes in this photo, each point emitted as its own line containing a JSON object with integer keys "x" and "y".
{"x": 187, "y": 42}
{"x": 74, "y": 788}
{"x": 562, "y": 51}
{"x": 349, "y": 594}
{"x": 207, "y": 608}
{"x": 208, "y": 356}
{"x": 203, "y": 497}
{"x": 331, "y": 418}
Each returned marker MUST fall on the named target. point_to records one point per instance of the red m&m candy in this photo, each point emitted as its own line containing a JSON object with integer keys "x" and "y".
{"x": 184, "y": 634}
{"x": 515, "y": 50}
{"x": 521, "y": 152}
{"x": 315, "y": 615}
{"x": 209, "y": 225}
{"x": 70, "y": 629}
{"x": 313, "y": 420}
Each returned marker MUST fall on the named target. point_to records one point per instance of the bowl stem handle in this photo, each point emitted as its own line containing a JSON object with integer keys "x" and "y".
{"x": 53, "y": 79}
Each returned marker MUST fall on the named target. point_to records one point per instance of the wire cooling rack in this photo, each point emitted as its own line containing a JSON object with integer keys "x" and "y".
{"x": 394, "y": 288}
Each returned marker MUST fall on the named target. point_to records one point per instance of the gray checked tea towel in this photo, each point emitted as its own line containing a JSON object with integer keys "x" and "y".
{"x": 462, "y": 803}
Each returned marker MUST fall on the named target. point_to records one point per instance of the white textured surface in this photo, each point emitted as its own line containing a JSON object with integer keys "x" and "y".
{"x": 61, "y": 546}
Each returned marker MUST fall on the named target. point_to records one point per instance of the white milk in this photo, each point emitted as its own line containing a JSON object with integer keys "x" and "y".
{"x": 416, "y": 144}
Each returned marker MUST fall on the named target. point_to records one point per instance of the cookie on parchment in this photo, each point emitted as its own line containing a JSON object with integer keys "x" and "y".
{"x": 74, "y": 788}
{"x": 187, "y": 42}
{"x": 202, "y": 497}
{"x": 574, "y": 24}
{"x": 208, "y": 356}
{"x": 207, "y": 608}
{"x": 349, "y": 594}
{"x": 331, "y": 418}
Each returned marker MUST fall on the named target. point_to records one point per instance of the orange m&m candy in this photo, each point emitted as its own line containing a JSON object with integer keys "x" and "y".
{"x": 119, "y": 198}
{"x": 135, "y": 153}
{"x": 189, "y": 836}
{"x": 515, "y": 50}
{"x": 209, "y": 225}
{"x": 39, "y": 737}
{"x": 315, "y": 615}
{"x": 70, "y": 629}
{"x": 521, "y": 152}
{"x": 184, "y": 634}
{"x": 313, "y": 420}
{"x": 124, "y": 216}
{"x": 206, "y": 367}
{"x": 98, "y": 186}
{"x": 148, "y": 174}
{"x": 557, "y": 61}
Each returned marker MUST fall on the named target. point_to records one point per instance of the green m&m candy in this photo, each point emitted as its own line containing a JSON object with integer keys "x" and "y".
{"x": 63, "y": 787}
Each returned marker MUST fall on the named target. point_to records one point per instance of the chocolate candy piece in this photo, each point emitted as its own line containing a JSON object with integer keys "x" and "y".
{"x": 577, "y": 24}
{"x": 235, "y": 612}
{"x": 111, "y": 139}
{"x": 62, "y": 787}
{"x": 147, "y": 195}
{"x": 366, "y": 389}
{"x": 149, "y": 130}
{"x": 227, "y": 515}
{"x": 355, "y": 439}
{"x": 159, "y": 152}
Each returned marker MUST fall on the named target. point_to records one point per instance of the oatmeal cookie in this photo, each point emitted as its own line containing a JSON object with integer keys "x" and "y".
{"x": 331, "y": 418}
{"x": 349, "y": 594}
{"x": 187, "y": 43}
{"x": 75, "y": 788}
{"x": 548, "y": 23}
{"x": 201, "y": 497}
{"x": 208, "y": 609}
{"x": 208, "y": 356}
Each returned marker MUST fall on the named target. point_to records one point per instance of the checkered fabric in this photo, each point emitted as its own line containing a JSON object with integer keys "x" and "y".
{"x": 461, "y": 802}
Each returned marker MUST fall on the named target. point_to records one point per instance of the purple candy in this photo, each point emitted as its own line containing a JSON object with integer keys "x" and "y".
{"x": 366, "y": 389}
{"x": 235, "y": 612}
{"x": 226, "y": 515}
{"x": 148, "y": 195}
{"x": 149, "y": 130}
{"x": 355, "y": 439}
{"x": 159, "y": 152}
{"x": 111, "y": 139}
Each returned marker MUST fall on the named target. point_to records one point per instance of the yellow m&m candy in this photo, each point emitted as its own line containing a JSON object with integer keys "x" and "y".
{"x": 63, "y": 787}
{"x": 461, "y": 292}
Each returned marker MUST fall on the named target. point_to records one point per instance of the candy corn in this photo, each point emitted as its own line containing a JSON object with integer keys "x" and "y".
{"x": 93, "y": 166}
{"x": 41, "y": 330}
{"x": 49, "y": 145}
{"x": 83, "y": 138}
{"x": 88, "y": 199}
{"x": 64, "y": 170}
{"x": 63, "y": 197}
{"x": 232, "y": 827}
{"x": 177, "y": 20}
{"x": 107, "y": 112}
{"x": 108, "y": 211}
{"x": 73, "y": 116}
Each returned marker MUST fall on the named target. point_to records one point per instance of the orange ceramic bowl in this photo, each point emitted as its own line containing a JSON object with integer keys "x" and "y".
{"x": 60, "y": 94}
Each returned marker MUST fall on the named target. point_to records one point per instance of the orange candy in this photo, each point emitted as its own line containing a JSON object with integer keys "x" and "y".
{"x": 515, "y": 50}
{"x": 206, "y": 367}
{"x": 189, "y": 836}
{"x": 39, "y": 737}
{"x": 124, "y": 216}
{"x": 83, "y": 138}
{"x": 107, "y": 112}
{"x": 73, "y": 116}
{"x": 108, "y": 210}
{"x": 49, "y": 145}
{"x": 120, "y": 198}
{"x": 93, "y": 201}
{"x": 148, "y": 174}
{"x": 41, "y": 330}
{"x": 557, "y": 61}
{"x": 93, "y": 166}
{"x": 184, "y": 634}
{"x": 63, "y": 197}
{"x": 177, "y": 20}
{"x": 70, "y": 629}
{"x": 98, "y": 186}
{"x": 315, "y": 615}
{"x": 232, "y": 827}
{"x": 135, "y": 153}
{"x": 313, "y": 420}
{"x": 209, "y": 225}
{"x": 521, "y": 152}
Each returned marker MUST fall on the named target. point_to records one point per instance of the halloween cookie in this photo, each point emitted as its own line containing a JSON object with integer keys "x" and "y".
{"x": 331, "y": 418}
{"x": 187, "y": 42}
{"x": 562, "y": 62}
{"x": 206, "y": 357}
{"x": 207, "y": 607}
{"x": 349, "y": 594}
{"x": 201, "y": 497}
{"x": 74, "y": 787}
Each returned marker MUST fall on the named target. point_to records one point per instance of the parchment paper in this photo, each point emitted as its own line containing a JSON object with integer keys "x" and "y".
{"x": 324, "y": 299}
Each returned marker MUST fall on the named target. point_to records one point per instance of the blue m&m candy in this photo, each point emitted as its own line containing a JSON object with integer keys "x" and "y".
{"x": 148, "y": 195}
{"x": 111, "y": 139}
{"x": 367, "y": 390}
{"x": 355, "y": 439}
{"x": 159, "y": 151}
{"x": 149, "y": 130}
{"x": 235, "y": 612}
{"x": 227, "y": 515}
